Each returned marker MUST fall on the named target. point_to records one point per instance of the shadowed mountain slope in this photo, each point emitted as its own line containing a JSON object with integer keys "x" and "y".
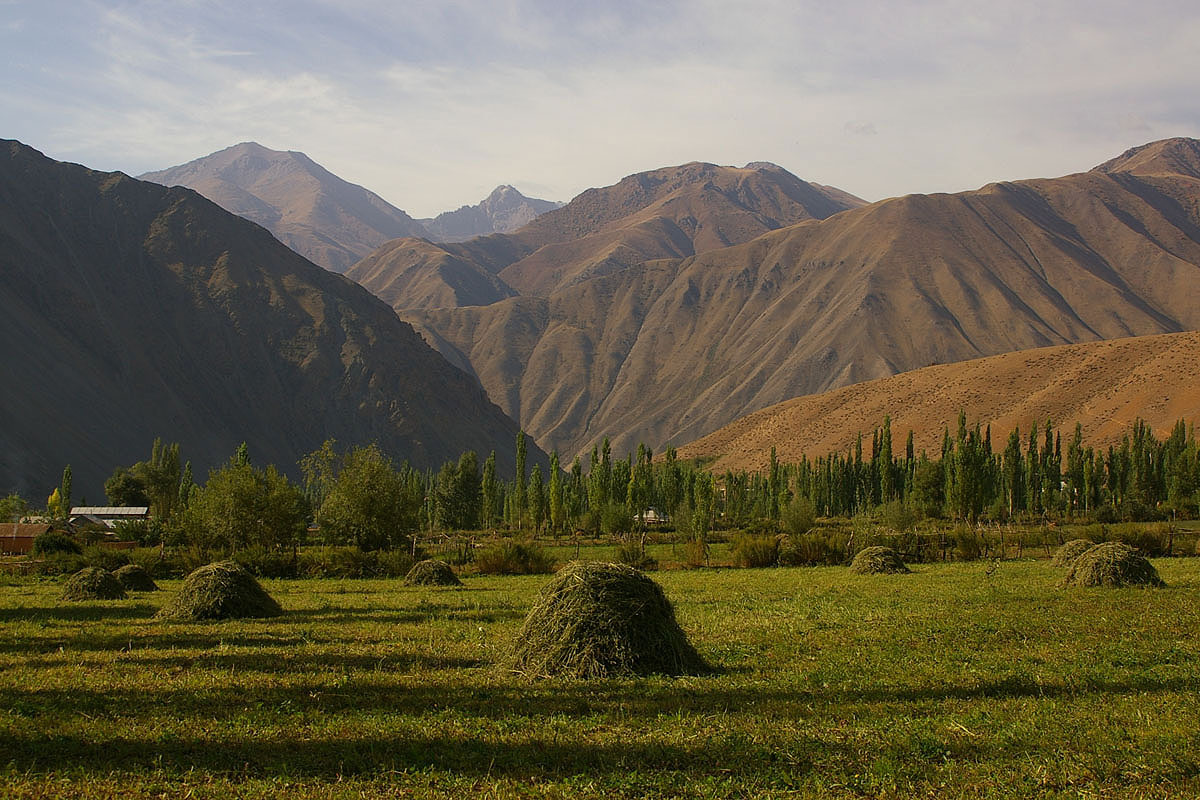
{"x": 667, "y": 213}
{"x": 1103, "y": 386}
{"x": 669, "y": 350}
{"x": 133, "y": 311}
{"x": 327, "y": 220}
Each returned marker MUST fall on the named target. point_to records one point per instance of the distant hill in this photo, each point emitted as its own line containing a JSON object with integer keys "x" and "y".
{"x": 327, "y": 220}
{"x": 666, "y": 213}
{"x": 669, "y": 349}
{"x": 130, "y": 311}
{"x": 1103, "y": 386}
{"x": 503, "y": 211}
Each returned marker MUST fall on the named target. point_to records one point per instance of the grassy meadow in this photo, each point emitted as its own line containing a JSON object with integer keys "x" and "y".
{"x": 979, "y": 679}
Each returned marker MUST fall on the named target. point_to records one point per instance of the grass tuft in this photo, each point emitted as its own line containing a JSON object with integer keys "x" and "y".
{"x": 878, "y": 561}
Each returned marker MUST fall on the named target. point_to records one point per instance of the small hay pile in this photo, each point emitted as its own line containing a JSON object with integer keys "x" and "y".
{"x": 1112, "y": 564}
{"x": 93, "y": 583}
{"x": 878, "y": 561}
{"x": 431, "y": 572}
{"x": 224, "y": 590}
{"x": 601, "y": 621}
{"x": 135, "y": 579}
{"x": 1066, "y": 555}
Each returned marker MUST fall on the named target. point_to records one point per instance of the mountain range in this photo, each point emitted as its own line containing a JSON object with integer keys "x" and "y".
{"x": 670, "y": 304}
{"x": 326, "y": 219}
{"x": 1103, "y": 386}
{"x": 134, "y": 311}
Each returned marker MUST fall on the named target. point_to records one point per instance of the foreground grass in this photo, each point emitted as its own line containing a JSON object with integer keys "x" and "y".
{"x": 958, "y": 681}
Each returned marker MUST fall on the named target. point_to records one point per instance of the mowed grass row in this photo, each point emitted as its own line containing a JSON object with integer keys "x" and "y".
{"x": 960, "y": 680}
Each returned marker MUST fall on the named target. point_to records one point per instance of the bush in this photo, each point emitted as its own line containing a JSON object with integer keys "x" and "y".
{"x": 431, "y": 573}
{"x": 600, "y": 621}
{"x": 898, "y": 516}
{"x": 878, "y": 561}
{"x": 815, "y": 548}
{"x": 264, "y": 562}
{"x": 106, "y": 558}
{"x": 350, "y": 562}
{"x": 968, "y": 544}
{"x": 1112, "y": 564}
{"x": 798, "y": 516}
{"x": 633, "y": 553}
{"x": 224, "y": 590}
{"x": 51, "y": 542}
{"x": 58, "y": 564}
{"x": 755, "y": 551}
{"x": 93, "y": 583}
{"x": 513, "y": 558}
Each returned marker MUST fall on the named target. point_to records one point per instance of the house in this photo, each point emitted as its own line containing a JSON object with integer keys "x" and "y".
{"x": 108, "y": 516}
{"x": 653, "y": 516}
{"x": 16, "y": 538}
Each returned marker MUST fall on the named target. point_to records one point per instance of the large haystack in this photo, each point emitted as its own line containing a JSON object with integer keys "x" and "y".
{"x": 93, "y": 583}
{"x": 603, "y": 620}
{"x": 878, "y": 561}
{"x": 1112, "y": 564}
{"x": 135, "y": 579}
{"x": 1065, "y": 556}
{"x": 431, "y": 572}
{"x": 224, "y": 590}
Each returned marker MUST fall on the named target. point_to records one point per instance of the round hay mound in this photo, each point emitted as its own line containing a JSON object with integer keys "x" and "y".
{"x": 93, "y": 583}
{"x": 431, "y": 572}
{"x": 224, "y": 590}
{"x": 1065, "y": 556}
{"x": 600, "y": 621}
{"x": 135, "y": 579}
{"x": 878, "y": 561}
{"x": 1112, "y": 564}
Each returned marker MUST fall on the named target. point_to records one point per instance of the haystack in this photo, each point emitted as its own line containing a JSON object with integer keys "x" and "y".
{"x": 135, "y": 579}
{"x": 224, "y": 590}
{"x": 878, "y": 561}
{"x": 93, "y": 583}
{"x": 599, "y": 621}
{"x": 1065, "y": 556}
{"x": 431, "y": 572}
{"x": 1112, "y": 564}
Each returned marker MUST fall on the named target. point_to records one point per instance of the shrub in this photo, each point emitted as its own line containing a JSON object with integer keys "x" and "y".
{"x": 751, "y": 550}
{"x": 58, "y": 564}
{"x": 898, "y": 516}
{"x": 224, "y": 590}
{"x": 817, "y": 547}
{"x": 1112, "y": 564}
{"x": 106, "y": 558}
{"x": 264, "y": 562}
{"x": 513, "y": 558}
{"x": 878, "y": 561}
{"x": 135, "y": 579}
{"x": 798, "y": 516}
{"x": 599, "y": 621}
{"x": 695, "y": 552}
{"x": 1066, "y": 555}
{"x": 51, "y": 542}
{"x": 968, "y": 544}
{"x": 431, "y": 573}
{"x": 93, "y": 583}
{"x": 633, "y": 553}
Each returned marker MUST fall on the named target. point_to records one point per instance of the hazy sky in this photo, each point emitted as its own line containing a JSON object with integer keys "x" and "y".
{"x": 432, "y": 104}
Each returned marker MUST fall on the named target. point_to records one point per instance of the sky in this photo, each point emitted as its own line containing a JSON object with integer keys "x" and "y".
{"x": 433, "y": 104}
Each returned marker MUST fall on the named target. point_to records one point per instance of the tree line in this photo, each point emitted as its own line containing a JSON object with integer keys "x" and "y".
{"x": 360, "y": 497}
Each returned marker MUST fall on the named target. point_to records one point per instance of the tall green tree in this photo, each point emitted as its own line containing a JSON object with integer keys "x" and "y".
{"x": 371, "y": 503}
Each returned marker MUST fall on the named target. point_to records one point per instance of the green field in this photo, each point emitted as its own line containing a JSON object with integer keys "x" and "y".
{"x": 961, "y": 680}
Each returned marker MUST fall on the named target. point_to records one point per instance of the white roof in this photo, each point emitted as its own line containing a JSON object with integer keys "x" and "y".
{"x": 110, "y": 511}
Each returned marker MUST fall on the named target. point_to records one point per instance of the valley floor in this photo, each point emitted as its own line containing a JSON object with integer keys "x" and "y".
{"x": 960, "y": 680}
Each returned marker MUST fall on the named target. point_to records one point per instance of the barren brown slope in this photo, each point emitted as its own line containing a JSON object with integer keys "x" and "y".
{"x": 684, "y": 347}
{"x": 327, "y": 220}
{"x": 131, "y": 311}
{"x": 1103, "y": 386}
{"x": 666, "y": 213}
